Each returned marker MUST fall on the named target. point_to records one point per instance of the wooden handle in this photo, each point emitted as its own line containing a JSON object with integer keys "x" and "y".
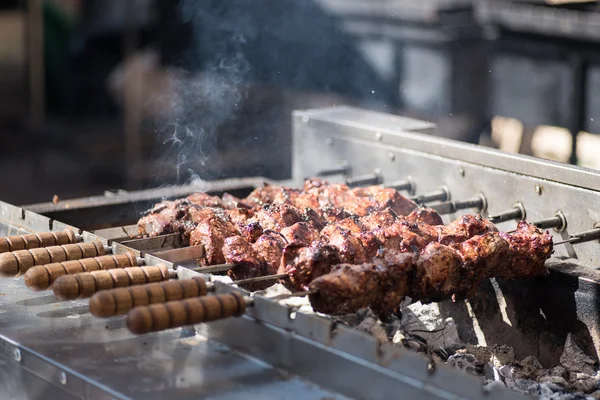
{"x": 174, "y": 314}
{"x": 18, "y": 262}
{"x": 35, "y": 240}
{"x": 85, "y": 284}
{"x": 110, "y": 303}
{"x": 41, "y": 277}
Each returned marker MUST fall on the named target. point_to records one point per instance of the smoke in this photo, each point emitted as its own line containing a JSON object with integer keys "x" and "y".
{"x": 204, "y": 94}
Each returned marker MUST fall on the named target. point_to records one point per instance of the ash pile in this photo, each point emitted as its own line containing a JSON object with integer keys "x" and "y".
{"x": 423, "y": 328}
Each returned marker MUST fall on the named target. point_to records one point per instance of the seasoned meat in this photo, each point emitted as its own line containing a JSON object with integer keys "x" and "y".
{"x": 350, "y": 248}
{"x": 425, "y": 216}
{"x": 529, "y": 248}
{"x": 249, "y": 263}
{"x": 463, "y": 228}
{"x": 303, "y": 264}
{"x": 269, "y": 247}
{"x": 160, "y": 219}
{"x": 211, "y": 232}
{"x": 437, "y": 273}
{"x": 240, "y": 215}
{"x": 348, "y": 288}
{"x": 379, "y": 219}
{"x": 300, "y": 232}
{"x": 380, "y": 198}
{"x": 230, "y": 202}
{"x": 277, "y": 216}
{"x": 481, "y": 258}
{"x": 250, "y": 231}
{"x": 205, "y": 200}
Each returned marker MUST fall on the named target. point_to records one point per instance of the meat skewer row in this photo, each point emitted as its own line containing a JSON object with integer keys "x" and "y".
{"x": 113, "y": 302}
{"x": 439, "y": 273}
{"x": 355, "y": 240}
{"x": 277, "y": 219}
{"x": 328, "y": 202}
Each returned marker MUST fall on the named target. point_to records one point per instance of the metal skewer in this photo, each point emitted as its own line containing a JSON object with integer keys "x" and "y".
{"x": 438, "y": 195}
{"x": 479, "y": 203}
{"x": 344, "y": 169}
{"x": 582, "y": 237}
{"x": 363, "y": 180}
{"x": 406, "y": 185}
{"x": 518, "y": 213}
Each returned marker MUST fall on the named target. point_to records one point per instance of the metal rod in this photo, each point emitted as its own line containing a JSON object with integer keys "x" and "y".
{"x": 214, "y": 268}
{"x": 363, "y": 180}
{"x": 559, "y": 222}
{"x": 344, "y": 169}
{"x": 582, "y": 237}
{"x": 260, "y": 278}
{"x": 516, "y": 213}
{"x": 406, "y": 185}
{"x": 451, "y": 207}
{"x": 293, "y": 294}
{"x": 438, "y": 195}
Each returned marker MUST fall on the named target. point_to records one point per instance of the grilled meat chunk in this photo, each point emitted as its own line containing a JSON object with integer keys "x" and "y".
{"x": 529, "y": 248}
{"x": 163, "y": 218}
{"x": 303, "y": 264}
{"x": 249, "y": 263}
{"x": 277, "y": 216}
{"x": 269, "y": 247}
{"x": 463, "y": 228}
{"x": 211, "y": 231}
{"x": 300, "y": 232}
{"x": 425, "y": 215}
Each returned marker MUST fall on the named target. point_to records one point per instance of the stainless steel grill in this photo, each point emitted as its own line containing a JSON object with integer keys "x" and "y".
{"x": 275, "y": 352}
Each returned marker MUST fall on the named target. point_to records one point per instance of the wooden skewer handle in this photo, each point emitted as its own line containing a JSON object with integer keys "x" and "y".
{"x": 85, "y": 284}
{"x": 41, "y": 277}
{"x": 18, "y": 262}
{"x": 110, "y": 303}
{"x": 35, "y": 240}
{"x": 174, "y": 314}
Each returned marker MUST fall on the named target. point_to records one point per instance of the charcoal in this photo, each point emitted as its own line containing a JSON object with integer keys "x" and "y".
{"x": 464, "y": 362}
{"x": 574, "y": 358}
{"x": 527, "y": 386}
{"x": 371, "y": 326}
{"x": 584, "y": 385}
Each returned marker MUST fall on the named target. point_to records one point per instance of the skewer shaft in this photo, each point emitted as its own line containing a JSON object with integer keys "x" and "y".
{"x": 363, "y": 180}
{"x": 518, "y": 213}
{"x": 582, "y": 237}
{"x": 437, "y": 195}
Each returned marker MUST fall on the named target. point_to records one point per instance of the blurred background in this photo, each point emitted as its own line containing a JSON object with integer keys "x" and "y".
{"x": 100, "y": 95}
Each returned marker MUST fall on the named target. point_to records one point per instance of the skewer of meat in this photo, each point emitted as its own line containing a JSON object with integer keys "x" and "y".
{"x": 439, "y": 272}
{"x": 325, "y": 201}
{"x": 305, "y": 254}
